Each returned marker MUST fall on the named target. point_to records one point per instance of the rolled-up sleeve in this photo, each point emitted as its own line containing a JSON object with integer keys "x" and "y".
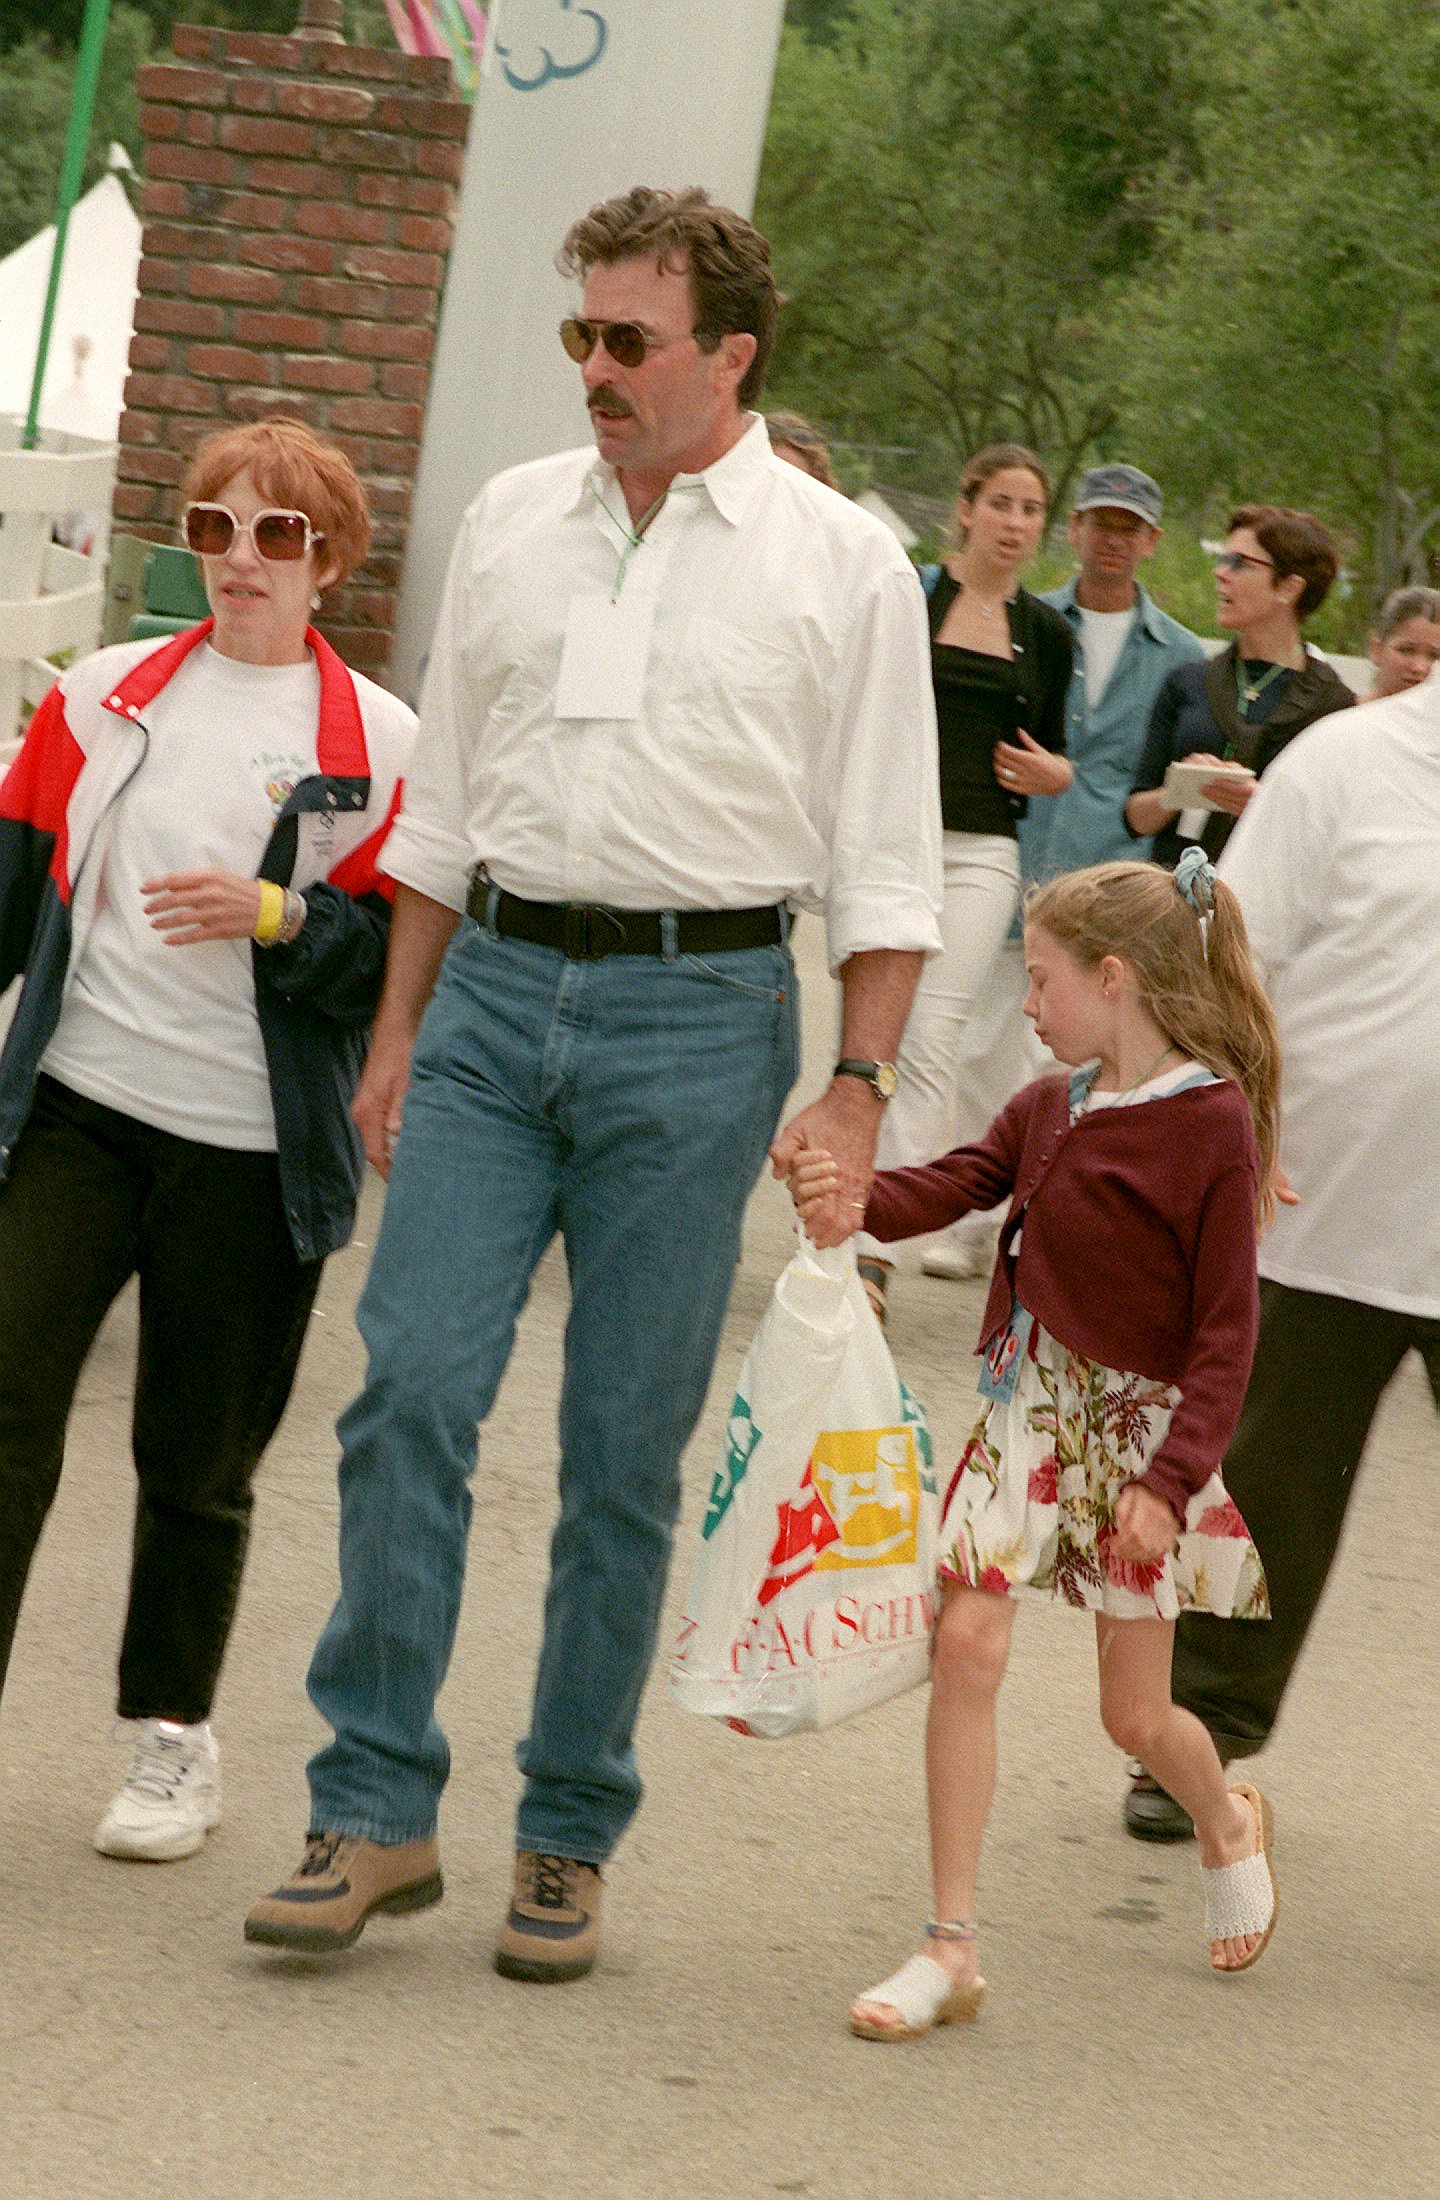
{"x": 429, "y": 846}
{"x": 885, "y": 875}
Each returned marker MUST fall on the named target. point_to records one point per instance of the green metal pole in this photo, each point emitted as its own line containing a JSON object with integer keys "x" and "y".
{"x": 72, "y": 167}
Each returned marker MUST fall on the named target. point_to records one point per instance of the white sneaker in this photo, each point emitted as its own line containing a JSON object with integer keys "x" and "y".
{"x": 171, "y": 1796}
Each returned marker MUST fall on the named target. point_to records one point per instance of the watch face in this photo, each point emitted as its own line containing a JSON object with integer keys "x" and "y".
{"x": 885, "y": 1080}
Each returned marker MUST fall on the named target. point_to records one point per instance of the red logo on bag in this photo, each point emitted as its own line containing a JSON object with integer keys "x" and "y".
{"x": 806, "y": 1529}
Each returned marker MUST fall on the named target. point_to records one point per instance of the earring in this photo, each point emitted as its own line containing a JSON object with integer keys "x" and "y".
{"x": 315, "y": 601}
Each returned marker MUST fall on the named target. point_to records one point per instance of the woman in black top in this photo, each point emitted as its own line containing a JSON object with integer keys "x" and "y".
{"x": 1001, "y": 662}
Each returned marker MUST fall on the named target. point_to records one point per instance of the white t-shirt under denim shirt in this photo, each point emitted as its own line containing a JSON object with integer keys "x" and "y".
{"x": 1102, "y": 637}
{"x": 169, "y": 1035}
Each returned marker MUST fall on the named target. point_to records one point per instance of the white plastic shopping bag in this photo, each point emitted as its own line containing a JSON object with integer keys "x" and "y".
{"x": 813, "y": 1595}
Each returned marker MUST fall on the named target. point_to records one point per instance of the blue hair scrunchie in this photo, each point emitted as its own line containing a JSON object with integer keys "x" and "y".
{"x": 1195, "y": 880}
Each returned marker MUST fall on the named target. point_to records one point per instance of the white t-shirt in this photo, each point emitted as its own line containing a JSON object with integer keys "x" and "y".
{"x": 1102, "y": 637}
{"x": 169, "y": 1034}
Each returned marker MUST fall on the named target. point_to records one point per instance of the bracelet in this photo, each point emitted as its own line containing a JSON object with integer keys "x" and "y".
{"x": 269, "y": 923}
{"x": 282, "y": 915}
{"x": 297, "y": 910}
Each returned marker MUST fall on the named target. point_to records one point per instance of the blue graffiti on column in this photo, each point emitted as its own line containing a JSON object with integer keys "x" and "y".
{"x": 548, "y": 69}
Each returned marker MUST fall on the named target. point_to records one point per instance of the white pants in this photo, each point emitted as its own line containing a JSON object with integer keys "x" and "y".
{"x": 982, "y": 884}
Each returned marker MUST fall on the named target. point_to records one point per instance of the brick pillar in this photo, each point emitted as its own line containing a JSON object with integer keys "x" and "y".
{"x": 298, "y": 201}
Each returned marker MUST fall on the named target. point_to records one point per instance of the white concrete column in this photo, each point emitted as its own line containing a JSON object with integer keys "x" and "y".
{"x": 577, "y": 103}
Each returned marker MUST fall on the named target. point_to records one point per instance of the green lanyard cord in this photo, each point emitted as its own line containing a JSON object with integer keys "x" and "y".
{"x": 634, "y": 536}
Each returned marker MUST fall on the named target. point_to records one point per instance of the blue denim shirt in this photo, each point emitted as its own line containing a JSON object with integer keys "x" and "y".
{"x": 1086, "y": 824}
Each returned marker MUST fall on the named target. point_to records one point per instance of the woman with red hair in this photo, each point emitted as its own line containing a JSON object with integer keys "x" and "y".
{"x": 189, "y": 885}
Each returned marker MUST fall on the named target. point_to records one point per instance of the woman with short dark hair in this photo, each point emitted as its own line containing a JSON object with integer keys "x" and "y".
{"x": 1238, "y": 710}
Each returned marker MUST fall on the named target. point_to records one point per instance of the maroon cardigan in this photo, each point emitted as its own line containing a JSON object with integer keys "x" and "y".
{"x": 1138, "y": 1247}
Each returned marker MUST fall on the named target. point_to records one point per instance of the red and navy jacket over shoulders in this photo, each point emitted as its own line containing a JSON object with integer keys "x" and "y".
{"x": 315, "y": 998}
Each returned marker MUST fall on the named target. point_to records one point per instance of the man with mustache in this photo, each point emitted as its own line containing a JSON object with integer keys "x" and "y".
{"x": 677, "y": 690}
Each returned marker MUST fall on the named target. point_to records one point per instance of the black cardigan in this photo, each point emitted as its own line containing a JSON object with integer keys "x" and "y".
{"x": 1044, "y": 653}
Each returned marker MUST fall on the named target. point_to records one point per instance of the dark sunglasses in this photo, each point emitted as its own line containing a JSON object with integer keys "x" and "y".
{"x": 627, "y": 343}
{"x": 1233, "y": 561}
{"x": 280, "y": 537}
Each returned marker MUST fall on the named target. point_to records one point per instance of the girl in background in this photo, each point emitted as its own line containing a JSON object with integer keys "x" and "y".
{"x": 1405, "y": 641}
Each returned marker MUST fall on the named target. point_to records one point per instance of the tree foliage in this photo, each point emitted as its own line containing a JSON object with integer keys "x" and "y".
{"x": 36, "y": 82}
{"x": 955, "y": 195}
{"x": 1284, "y": 340}
{"x": 1197, "y": 233}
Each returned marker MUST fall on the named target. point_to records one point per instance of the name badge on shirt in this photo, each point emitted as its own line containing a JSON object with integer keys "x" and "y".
{"x": 604, "y": 656}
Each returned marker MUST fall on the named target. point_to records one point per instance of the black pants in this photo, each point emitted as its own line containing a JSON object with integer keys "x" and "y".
{"x": 1321, "y": 1366}
{"x": 93, "y": 1198}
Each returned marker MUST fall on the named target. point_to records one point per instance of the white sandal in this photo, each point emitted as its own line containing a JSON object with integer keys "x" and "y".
{"x": 1241, "y": 1899}
{"x": 922, "y": 1994}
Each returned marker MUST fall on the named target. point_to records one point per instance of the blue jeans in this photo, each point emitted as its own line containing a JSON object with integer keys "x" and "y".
{"x": 628, "y": 1104}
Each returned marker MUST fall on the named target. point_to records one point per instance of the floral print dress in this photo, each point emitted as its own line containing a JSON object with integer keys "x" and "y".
{"x": 1032, "y": 1503}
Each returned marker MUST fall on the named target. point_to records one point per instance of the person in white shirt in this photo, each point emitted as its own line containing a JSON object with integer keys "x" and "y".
{"x": 188, "y": 842}
{"x": 676, "y": 689}
{"x": 1337, "y": 866}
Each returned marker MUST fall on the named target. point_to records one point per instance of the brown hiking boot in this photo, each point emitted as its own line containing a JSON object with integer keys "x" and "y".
{"x": 553, "y": 1929}
{"x": 339, "y": 1883}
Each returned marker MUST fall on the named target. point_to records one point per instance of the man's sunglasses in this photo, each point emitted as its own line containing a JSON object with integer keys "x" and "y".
{"x": 280, "y": 537}
{"x": 627, "y": 343}
{"x": 1234, "y": 561}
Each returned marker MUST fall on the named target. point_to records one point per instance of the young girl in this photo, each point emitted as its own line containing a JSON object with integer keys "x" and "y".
{"x": 1117, "y": 1340}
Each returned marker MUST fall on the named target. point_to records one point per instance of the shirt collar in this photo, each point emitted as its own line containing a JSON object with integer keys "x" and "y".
{"x": 730, "y": 483}
{"x": 1145, "y": 609}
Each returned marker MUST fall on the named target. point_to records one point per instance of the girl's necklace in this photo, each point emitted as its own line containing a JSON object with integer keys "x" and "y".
{"x": 1146, "y": 1074}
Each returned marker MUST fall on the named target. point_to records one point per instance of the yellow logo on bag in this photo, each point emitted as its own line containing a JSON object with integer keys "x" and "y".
{"x": 869, "y": 1480}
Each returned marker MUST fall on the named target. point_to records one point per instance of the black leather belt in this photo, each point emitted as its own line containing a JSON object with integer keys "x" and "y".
{"x": 584, "y": 931}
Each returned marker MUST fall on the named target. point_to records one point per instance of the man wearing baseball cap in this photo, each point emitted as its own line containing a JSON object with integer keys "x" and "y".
{"x": 1124, "y": 647}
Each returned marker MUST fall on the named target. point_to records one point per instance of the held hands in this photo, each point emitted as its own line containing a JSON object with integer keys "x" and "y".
{"x": 1024, "y": 767}
{"x": 829, "y": 1150}
{"x": 1147, "y": 1529}
{"x": 187, "y": 907}
{"x": 813, "y": 1180}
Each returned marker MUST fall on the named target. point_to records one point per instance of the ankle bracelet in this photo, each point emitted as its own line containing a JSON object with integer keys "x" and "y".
{"x": 951, "y": 1928}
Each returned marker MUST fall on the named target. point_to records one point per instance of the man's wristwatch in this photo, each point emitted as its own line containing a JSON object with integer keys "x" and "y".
{"x": 879, "y": 1076}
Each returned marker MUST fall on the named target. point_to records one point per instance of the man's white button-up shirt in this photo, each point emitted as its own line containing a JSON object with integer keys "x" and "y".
{"x": 784, "y": 747}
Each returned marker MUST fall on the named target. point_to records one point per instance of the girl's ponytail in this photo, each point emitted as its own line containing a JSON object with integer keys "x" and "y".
{"x": 1247, "y": 1021}
{"x": 1184, "y": 937}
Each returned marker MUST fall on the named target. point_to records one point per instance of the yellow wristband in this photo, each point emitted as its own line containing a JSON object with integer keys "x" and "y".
{"x": 272, "y": 913}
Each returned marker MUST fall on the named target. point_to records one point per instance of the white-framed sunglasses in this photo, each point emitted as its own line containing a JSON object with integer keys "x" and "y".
{"x": 279, "y": 536}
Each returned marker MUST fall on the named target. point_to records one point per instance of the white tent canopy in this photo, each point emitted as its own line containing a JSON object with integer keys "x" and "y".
{"x": 84, "y": 388}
